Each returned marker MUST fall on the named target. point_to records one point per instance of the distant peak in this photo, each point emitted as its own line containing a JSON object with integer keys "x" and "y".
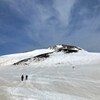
{"x": 63, "y": 46}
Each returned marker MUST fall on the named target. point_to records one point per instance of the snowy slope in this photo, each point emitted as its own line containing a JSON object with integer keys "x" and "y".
{"x": 12, "y": 58}
{"x": 54, "y": 55}
{"x": 50, "y": 83}
{"x": 57, "y": 73}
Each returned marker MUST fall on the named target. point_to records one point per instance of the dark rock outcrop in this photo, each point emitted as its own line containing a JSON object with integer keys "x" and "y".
{"x": 36, "y": 58}
{"x": 58, "y": 48}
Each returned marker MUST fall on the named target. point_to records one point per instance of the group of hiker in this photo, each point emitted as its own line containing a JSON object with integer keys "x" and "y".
{"x": 22, "y": 77}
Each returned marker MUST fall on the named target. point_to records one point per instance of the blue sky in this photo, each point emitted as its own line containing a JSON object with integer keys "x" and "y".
{"x": 33, "y": 24}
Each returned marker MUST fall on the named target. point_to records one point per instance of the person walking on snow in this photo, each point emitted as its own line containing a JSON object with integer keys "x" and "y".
{"x": 22, "y": 77}
{"x": 26, "y": 77}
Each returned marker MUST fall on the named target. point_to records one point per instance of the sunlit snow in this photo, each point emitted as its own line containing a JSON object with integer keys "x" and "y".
{"x": 73, "y": 76}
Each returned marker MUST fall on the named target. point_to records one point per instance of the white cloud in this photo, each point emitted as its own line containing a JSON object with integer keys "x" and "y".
{"x": 88, "y": 36}
{"x": 64, "y": 8}
{"x": 48, "y": 25}
{"x": 51, "y": 34}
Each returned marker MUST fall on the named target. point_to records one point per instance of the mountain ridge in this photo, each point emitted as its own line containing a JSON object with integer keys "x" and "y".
{"x": 57, "y": 54}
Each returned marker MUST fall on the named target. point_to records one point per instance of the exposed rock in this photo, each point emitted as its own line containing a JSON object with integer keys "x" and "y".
{"x": 67, "y": 47}
{"x": 36, "y": 58}
{"x": 57, "y": 48}
{"x": 67, "y": 50}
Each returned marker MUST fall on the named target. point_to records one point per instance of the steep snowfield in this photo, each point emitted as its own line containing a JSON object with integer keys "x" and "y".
{"x": 59, "y": 54}
{"x": 12, "y": 58}
{"x": 62, "y": 59}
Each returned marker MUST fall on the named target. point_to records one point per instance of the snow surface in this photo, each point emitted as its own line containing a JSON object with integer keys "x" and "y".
{"x": 13, "y": 58}
{"x": 80, "y": 57}
{"x": 50, "y": 83}
{"x": 62, "y": 58}
{"x": 62, "y": 76}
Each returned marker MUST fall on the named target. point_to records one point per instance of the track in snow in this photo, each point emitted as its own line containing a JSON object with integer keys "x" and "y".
{"x": 50, "y": 83}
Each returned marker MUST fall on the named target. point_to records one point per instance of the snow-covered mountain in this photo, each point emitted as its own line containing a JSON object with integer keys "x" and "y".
{"x": 60, "y": 72}
{"x": 53, "y": 55}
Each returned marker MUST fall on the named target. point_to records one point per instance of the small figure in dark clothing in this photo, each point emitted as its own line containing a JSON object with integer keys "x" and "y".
{"x": 22, "y": 77}
{"x": 26, "y": 77}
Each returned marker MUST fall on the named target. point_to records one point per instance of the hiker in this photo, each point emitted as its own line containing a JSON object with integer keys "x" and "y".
{"x": 26, "y": 77}
{"x": 22, "y": 77}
